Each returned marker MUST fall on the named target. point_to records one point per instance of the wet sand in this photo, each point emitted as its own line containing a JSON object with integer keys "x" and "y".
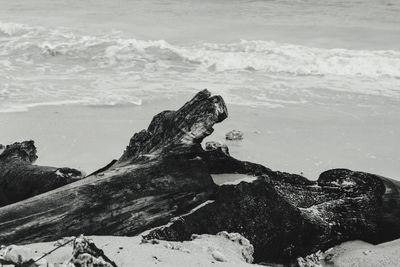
{"x": 306, "y": 139}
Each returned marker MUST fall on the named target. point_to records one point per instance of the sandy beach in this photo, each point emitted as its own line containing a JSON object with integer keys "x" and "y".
{"x": 313, "y": 87}
{"x": 359, "y": 253}
{"x": 130, "y": 251}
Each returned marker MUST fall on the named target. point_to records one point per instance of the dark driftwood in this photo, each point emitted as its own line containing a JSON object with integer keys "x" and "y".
{"x": 164, "y": 172}
{"x": 20, "y": 179}
{"x": 285, "y": 217}
{"x": 158, "y": 177}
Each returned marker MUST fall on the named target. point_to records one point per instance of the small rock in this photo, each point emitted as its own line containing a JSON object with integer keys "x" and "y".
{"x": 234, "y": 135}
{"x": 218, "y": 256}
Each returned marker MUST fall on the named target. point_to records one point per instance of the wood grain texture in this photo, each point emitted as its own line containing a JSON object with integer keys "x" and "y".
{"x": 21, "y": 179}
{"x": 158, "y": 177}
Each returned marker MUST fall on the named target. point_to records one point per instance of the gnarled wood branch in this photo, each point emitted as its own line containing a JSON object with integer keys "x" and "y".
{"x": 21, "y": 179}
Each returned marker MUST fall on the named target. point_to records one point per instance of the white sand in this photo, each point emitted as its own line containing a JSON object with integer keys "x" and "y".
{"x": 128, "y": 252}
{"x": 358, "y": 253}
{"x": 210, "y": 250}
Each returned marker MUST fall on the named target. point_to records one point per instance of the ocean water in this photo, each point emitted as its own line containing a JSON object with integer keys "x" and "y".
{"x": 269, "y": 53}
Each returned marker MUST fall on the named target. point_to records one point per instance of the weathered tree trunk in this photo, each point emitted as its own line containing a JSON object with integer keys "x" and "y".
{"x": 285, "y": 217}
{"x": 158, "y": 177}
{"x": 20, "y": 179}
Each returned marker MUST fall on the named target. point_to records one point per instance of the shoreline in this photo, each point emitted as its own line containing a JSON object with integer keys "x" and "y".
{"x": 301, "y": 138}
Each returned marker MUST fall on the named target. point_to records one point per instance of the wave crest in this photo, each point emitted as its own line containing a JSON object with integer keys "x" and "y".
{"x": 263, "y": 56}
{"x": 273, "y": 57}
{"x": 42, "y": 66}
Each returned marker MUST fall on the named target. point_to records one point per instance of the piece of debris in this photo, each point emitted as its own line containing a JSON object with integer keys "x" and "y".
{"x": 234, "y": 135}
{"x": 86, "y": 253}
{"x": 366, "y": 252}
{"x": 312, "y": 260}
{"x": 156, "y": 258}
{"x": 150, "y": 241}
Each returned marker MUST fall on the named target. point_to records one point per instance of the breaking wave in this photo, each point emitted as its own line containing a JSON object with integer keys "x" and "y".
{"x": 40, "y": 66}
{"x": 263, "y": 56}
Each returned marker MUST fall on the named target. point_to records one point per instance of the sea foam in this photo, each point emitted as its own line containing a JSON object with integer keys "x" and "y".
{"x": 42, "y": 66}
{"x": 265, "y": 56}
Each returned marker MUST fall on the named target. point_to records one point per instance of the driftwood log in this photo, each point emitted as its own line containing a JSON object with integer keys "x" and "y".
{"x": 285, "y": 218}
{"x": 165, "y": 173}
{"x": 20, "y": 179}
{"x": 157, "y": 177}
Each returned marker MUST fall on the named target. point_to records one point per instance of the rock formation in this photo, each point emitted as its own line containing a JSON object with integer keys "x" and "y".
{"x": 164, "y": 173}
{"x": 20, "y": 179}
